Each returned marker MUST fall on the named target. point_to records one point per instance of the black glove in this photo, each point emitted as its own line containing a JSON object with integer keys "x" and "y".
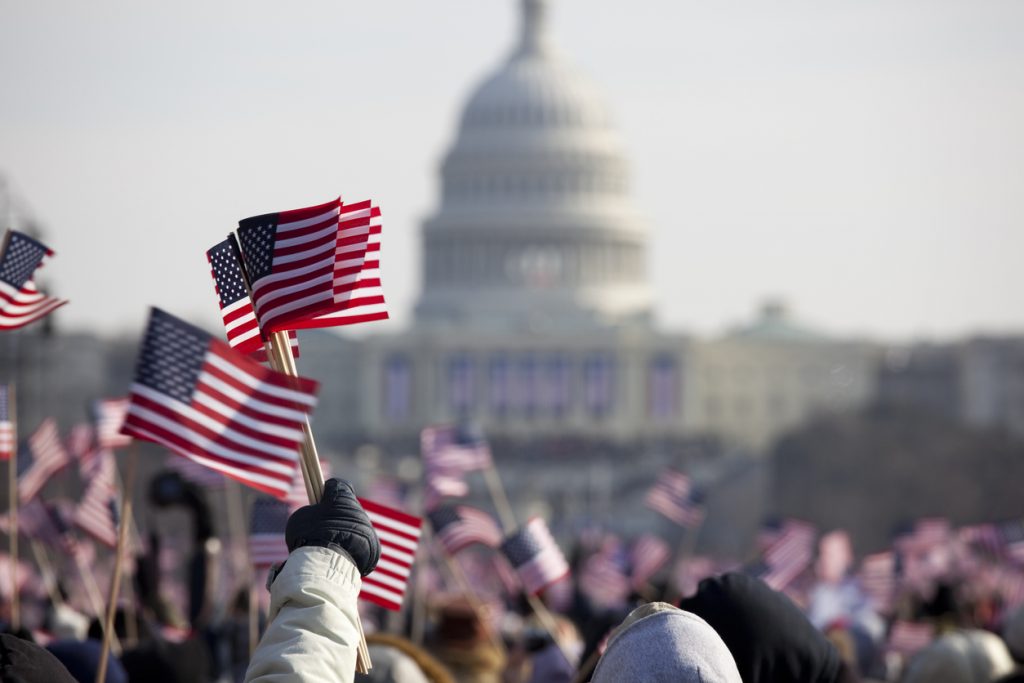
{"x": 337, "y": 522}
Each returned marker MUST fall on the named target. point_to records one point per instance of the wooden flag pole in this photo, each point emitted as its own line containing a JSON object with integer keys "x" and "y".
{"x": 47, "y": 570}
{"x": 474, "y": 600}
{"x": 281, "y": 359}
{"x": 501, "y": 504}
{"x": 547, "y": 620}
{"x": 115, "y": 580}
{"x": 12, "y": 504}
{"x": 284, "y": 361}
{"x": 95, "y": 598}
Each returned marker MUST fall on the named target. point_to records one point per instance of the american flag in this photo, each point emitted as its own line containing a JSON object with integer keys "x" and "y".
{"x": 604, "y": 577}
{"x": 306, "y": 266}
{"x": 450, "y": 449}
{"x": 789, "y": 554}
{"x": 48, "y": 457}
{"x": 80, "y": 445}
{"x": 674, "y": 498}
{"x": 110, "y": 416}
{"x": 535, "y": 556}
{"x": 266, "y": 532}
{"x": 358, "y": 296}
{"x": 6, "y": 426}
{"x": 197, "y": 397}
{"x": 399, "y": 535}
{"x": 46, "y": 523}
{"x": 236, "y": 310}
{"x": 97, "y": 513}
{"x": 649, "y": 555}
{"x": 20, "y": 302}
{"x": 878, "y": 577}
{"x": 985, "y": 537}
{"x": 441, "y": 485}
{"x": 458, "y": 526}
{"x": 907, "y": 637}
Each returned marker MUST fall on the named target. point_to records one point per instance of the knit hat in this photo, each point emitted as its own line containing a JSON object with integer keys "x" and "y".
{"x": 968, "y": 656}
{"x": 659, "y": 642}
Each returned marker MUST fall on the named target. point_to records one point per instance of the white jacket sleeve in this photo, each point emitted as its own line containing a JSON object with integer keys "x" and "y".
{"x": 312, "y": 635}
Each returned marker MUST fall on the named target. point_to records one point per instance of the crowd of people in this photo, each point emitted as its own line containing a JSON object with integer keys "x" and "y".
{"x": 936, "y": 618}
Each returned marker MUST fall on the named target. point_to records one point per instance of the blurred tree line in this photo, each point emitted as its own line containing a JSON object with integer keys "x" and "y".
{"x": 875, "y": 472}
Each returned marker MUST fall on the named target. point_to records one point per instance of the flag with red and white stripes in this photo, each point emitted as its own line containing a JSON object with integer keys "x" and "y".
{"x": 649, "y": 555}
{"x": 110, "y": 416}
{"x": 459, "y": 526}
{"x": 673, "y": 496}
{"x": 6, "y": 426}
{"x": 97, "y": 513}
{"x": 450, "y": 449}
{"x": 535, "y": 556}
{"x": 604, "y": 577}
{"x": 48, "y": 457}
{"x": 21, "y": 302}
{"x": 306, "y": 266}
{"x": 399, "y": 535}
{"x": 237, "y": 314}
{"x": 196, "y": 396}
{"x": 268, "y": 520}
{"x": 791, "y": 552}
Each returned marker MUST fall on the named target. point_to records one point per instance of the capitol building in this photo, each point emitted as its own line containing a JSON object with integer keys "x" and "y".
{"x": 536, "y": 316}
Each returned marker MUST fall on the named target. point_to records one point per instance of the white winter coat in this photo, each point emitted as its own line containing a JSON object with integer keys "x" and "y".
{"x": 312, "y": 634}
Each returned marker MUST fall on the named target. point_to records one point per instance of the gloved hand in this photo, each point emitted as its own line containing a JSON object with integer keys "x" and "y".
{"x": 337, "y": 522}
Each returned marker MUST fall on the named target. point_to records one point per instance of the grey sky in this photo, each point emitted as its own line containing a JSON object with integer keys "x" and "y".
{"x": 863, "y": 159}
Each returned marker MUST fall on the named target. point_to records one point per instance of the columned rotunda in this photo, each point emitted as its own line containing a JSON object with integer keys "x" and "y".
{"x": 535, "y": 228}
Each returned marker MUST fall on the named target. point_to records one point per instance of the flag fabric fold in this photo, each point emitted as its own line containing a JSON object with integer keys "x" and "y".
{"x": 459, "y": 526}
{"x": 536, "y": 558}
{"x": 673, "y": 496}
{"x": 21, "y": 302}
{"x": 237, "y": 314}
{"x": 306, "y": 266}
{"x": 110, "y": 416}
{"x": 399, "y": 535}
{"x": 98, "y": 512}
{"x": 196, "y": 396}
{"x": 48, "y": 457}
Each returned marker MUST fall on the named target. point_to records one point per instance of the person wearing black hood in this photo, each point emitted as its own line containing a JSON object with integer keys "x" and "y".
{"x": 769, "y": 637}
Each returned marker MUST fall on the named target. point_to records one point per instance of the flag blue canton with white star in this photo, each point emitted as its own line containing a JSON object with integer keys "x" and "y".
{"x": 172, "y": 356}
{"x": 227, "y": 271}
{"x": 257, "y": 235}
{"x": 21, "y": 258}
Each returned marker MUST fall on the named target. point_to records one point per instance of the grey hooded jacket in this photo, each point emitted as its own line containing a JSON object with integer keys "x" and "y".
{"x": 659, "y": 642}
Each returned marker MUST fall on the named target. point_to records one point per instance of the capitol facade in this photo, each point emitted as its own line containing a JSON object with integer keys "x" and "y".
{"x": 536, "y": 313}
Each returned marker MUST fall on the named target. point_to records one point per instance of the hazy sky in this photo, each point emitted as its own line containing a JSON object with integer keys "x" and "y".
{"x": 863, "y": 159}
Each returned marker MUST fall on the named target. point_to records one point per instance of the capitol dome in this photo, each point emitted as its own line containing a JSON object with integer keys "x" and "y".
{"x": 535, "y": 226}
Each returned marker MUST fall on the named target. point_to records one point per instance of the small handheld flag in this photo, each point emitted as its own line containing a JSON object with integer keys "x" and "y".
{"x": 21, "y": 302}
{"x": 196, "y": 396}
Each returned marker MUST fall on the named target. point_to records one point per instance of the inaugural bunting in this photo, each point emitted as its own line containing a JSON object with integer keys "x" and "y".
{"x": 20, "y": 301}
{"x": 196, "y": 396}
